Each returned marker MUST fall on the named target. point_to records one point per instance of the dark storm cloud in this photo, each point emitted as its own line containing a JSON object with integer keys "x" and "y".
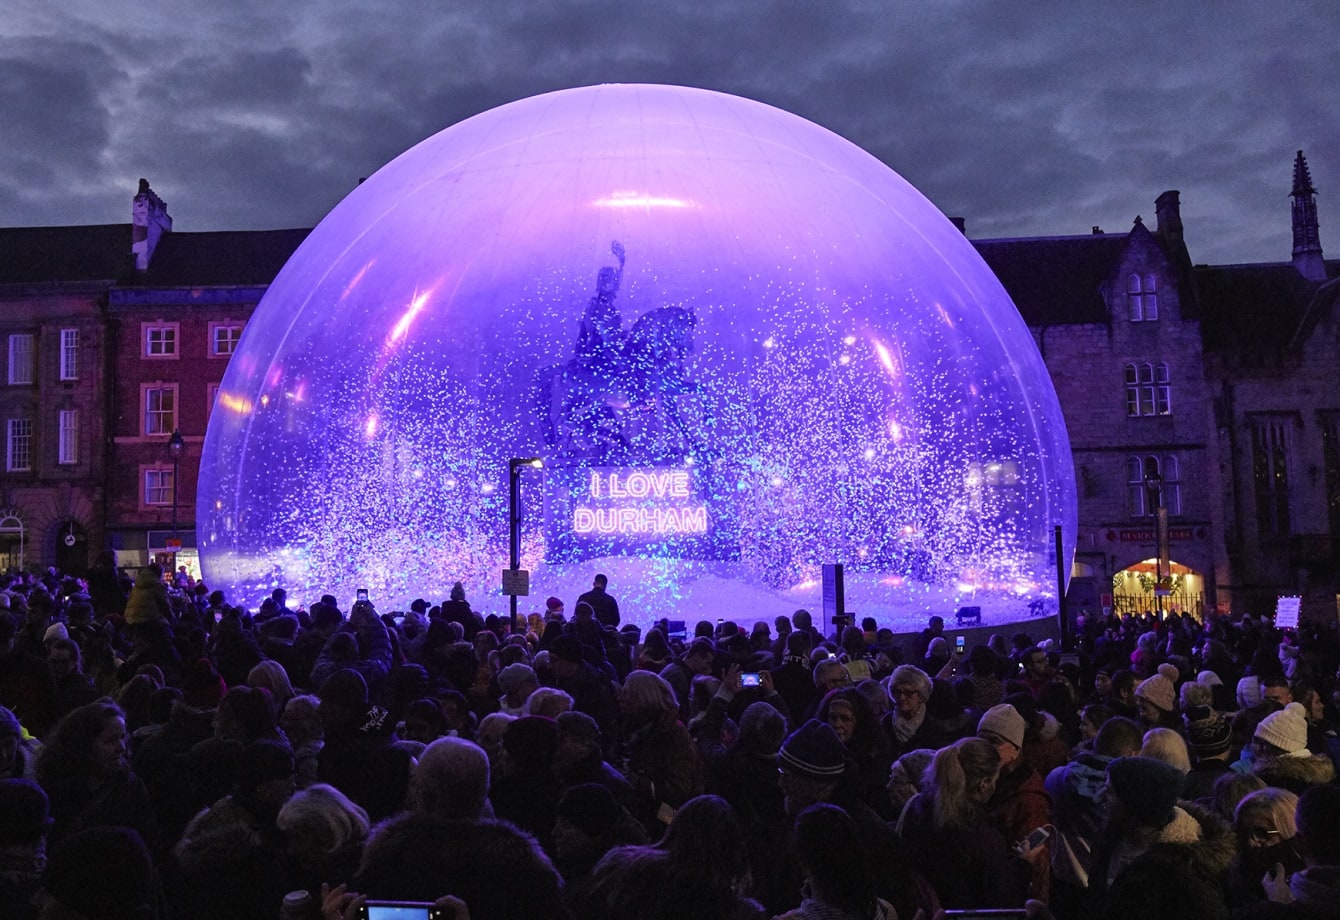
{"x": 57, "y": 126}
{"x": 1037, "y": 118}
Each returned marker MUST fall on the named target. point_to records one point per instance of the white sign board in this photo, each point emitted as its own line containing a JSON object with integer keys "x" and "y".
{"x": 516, "y": 582}
{"x": 1286, "y": 612}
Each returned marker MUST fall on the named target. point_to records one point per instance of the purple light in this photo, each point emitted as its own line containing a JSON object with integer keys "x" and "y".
{"x": 642, "y": 284}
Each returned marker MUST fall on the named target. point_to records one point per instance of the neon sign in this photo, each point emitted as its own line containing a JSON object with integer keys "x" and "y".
{"x": 653, "y": 502}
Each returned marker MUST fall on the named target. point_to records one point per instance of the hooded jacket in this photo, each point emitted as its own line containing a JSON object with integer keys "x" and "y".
{"x": 1294, "y": 772}
{"x": 1179, "y": 877}
{"x": 148, "y": 599}
{"x": 1078, "y": 813}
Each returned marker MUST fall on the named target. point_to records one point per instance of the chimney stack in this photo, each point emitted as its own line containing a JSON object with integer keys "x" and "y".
{"x": 1168, "y": 220}
{"x": 149, "y": 220}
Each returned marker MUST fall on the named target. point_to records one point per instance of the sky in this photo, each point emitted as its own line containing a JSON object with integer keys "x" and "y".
{"x": 1025, "y": 118}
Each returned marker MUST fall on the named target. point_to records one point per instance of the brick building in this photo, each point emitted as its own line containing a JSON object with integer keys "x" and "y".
{"x": 173, "y": 323}
{"x": 53, "y": 287}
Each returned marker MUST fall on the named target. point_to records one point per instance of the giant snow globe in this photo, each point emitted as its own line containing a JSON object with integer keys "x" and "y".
{"x": 739, "y": 348}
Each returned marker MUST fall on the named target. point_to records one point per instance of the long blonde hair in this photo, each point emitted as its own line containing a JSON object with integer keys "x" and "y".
{"x": 954, "y": 773}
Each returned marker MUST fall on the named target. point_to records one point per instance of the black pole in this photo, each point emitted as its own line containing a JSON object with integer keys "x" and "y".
{"x": 1067, "y": 640}
{"x": 514, "y": 525}
{"x": 176, "y": 468}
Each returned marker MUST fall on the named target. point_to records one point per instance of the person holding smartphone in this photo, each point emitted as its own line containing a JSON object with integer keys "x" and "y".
{"x": 949, "y": 838}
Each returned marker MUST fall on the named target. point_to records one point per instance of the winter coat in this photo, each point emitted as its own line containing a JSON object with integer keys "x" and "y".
{"x": 231, "y": 865}
{"x": 1316, "y": 892}
{"x": 1295, "y": 773}
{"x": 148, "y": 599}
{"x": 1178, "y": 878}
{"x": 970, "y": 866}
{"x": 1020, "y": 806}
{"x": 1078, "y": 813}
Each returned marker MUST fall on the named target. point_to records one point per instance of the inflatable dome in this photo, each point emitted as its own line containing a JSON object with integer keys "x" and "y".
{"x": 741, "y": 347}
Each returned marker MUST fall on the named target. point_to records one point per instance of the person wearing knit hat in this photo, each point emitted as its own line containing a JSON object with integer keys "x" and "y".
{"x": 1285, "y": 732}
{"x": 1156, "y": 699}
{"x": 590, "y": 808}
{"x": 553, "y": 609}
{"x": 1280, "y": 754}
{"x": 1207, "y": 732}
{"x": 1209, "y": 737}
{"x": 1002, "y": 723}
{"x": 55, "y": 631}
{"x": 812, "y": 762}
{"x": 517, "y": 681}
{"x": 1147, "y": 789}
{"x": 1158, "y": 857}
{"x": 567, "y": 648}
{"x": 531, "y": 741}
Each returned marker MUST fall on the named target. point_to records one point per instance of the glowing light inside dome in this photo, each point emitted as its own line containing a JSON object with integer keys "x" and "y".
{"x": 762, "y": 352}
{"x": 639, "y": 200}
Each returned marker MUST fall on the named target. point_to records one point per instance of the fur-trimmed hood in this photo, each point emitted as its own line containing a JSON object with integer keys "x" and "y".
{"x": 1208, "y": 838}
{"x": 1294, "y": 773}
{"x": 1178, "y": 876}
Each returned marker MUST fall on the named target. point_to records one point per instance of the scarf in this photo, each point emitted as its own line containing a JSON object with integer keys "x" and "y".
{"x": 906, "y": 728}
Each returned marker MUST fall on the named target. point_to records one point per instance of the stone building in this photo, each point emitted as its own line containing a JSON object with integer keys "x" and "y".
{"x": 1271, "y": 336}
{"x": 1208, "y": 396}
{"x": 1111, "y": 315}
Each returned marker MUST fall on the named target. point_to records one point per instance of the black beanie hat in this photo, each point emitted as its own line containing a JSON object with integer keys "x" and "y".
{"x": 590, "y": 807}
{"x": 1148, "y": 788}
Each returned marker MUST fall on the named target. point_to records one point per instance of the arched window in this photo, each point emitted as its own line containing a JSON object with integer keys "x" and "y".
{"x": 1142, "y": 299}
{"x": 1149, "y": 478}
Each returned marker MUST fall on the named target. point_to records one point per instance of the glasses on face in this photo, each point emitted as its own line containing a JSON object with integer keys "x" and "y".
{"x": 1262, "y": 837}
{"x": 903, "y": 693}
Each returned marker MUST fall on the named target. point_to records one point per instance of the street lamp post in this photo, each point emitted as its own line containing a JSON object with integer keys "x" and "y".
{"x": 1154, "y": 492}
{"x": 514, "y": 467}
{"x": 176, "y": 444}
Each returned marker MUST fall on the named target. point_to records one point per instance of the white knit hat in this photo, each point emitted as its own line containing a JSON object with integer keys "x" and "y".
{"x": 1286, "y": 729}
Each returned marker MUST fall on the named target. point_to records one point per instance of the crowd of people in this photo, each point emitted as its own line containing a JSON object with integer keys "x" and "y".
{"x": 164, "y": 754}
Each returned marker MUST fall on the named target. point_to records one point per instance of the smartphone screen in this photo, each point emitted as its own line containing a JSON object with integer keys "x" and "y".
{"x": 749, "y": 680}
{"x": 362, "y": 594}
{"x": 959, "y": 643}
{"x": 399, "y": 911}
